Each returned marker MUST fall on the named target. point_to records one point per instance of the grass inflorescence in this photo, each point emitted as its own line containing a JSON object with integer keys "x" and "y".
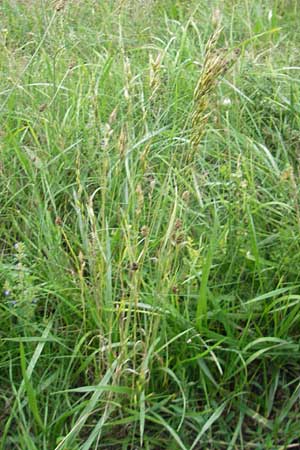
{"x": 216, "y": 63}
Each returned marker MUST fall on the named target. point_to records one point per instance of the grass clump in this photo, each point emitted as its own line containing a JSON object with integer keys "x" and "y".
{"x": 148, "y": 270}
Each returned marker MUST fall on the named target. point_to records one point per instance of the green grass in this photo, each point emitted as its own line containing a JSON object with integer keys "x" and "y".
{"x": 149, "y": 288}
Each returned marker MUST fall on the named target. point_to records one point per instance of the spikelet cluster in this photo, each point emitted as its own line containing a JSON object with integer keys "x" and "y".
{"x": 216, "y": 63}
{"x": 154, "y": 78}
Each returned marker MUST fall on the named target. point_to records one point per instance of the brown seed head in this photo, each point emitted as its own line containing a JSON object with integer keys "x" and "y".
{"x": 58, "y": 221}
{"x": 144, "y": 231}
{"x": 134, "y": 266}
{"x": 186, "y": 196}
{"x": 178, "y": 224}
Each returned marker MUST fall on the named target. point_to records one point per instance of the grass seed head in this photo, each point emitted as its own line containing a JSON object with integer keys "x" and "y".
{"x": 217, "y": 61}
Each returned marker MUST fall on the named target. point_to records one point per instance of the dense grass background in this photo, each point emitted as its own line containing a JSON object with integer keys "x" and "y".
{"x": 148, "y": 300}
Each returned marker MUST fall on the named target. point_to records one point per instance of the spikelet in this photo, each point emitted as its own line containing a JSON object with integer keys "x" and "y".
{"x": 216, "y": 63}
{"x": 60, "y": 5}
{"x": 154, "y": 75}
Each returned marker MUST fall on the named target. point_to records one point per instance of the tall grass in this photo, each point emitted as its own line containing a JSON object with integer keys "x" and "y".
{"x": 150, "y": 219}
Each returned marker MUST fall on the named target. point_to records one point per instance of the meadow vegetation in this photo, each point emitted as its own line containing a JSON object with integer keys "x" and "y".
{"x": 150, "y": 220}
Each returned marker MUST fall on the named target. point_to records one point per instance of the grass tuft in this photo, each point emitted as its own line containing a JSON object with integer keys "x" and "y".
{"x": 149, "y": 233}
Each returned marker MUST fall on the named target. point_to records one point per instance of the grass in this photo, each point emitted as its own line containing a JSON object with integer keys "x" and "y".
{"x": 149, "y": 234}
